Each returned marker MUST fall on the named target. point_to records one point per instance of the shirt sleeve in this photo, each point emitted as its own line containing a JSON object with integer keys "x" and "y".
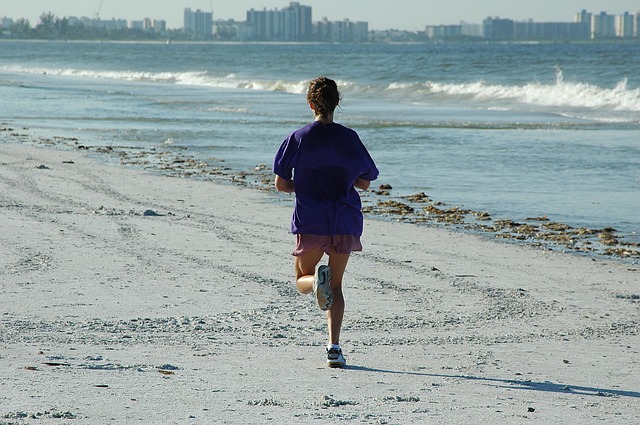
{"x": 369, "y": 170}
{"x": 283, "y": 162}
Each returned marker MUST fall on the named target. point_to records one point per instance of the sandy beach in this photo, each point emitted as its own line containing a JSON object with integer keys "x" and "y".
{"x": 131, "y": 297}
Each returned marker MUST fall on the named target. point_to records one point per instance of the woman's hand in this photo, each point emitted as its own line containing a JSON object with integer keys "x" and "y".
{"x": 362, "y": 183}
{"x": 284, "y": 185}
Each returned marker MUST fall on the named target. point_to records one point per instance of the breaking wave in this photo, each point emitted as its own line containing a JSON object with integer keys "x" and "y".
{"x": 576, "y": 95}
{"x": 560, "y": 94}
{"x": 193, "y": 78}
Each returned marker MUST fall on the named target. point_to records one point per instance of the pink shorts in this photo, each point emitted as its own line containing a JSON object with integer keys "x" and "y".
{"x": 342, "y": 244}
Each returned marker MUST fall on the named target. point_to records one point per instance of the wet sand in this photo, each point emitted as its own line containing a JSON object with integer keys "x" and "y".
{"x": 128, "y": 296}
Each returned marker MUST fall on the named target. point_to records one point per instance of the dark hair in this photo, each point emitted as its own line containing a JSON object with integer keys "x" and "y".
{"x": 323, "y": 95}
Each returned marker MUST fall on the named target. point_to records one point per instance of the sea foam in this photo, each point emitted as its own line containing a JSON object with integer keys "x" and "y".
{"x": 560, "y": 94}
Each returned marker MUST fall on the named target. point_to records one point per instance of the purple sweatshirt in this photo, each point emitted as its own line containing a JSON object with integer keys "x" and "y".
{"x": 324, "y": 161}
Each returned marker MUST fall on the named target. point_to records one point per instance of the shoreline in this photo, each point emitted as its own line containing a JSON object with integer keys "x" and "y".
{"x": 380, "y": 203}
{"x": 474, "y": 41}
{"x": 129, "y": 296}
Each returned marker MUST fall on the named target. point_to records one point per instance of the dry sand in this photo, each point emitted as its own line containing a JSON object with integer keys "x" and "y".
{"x": 188, "y": 314}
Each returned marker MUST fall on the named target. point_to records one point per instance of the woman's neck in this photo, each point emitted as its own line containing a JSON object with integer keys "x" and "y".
{"x": 328, "y": 119}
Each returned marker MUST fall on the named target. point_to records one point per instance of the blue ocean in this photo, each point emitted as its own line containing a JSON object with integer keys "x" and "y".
{"x": 516, "y": 130}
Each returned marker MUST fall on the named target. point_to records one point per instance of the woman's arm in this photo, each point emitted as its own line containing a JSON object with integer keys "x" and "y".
{"x": 362, "y": 183}
{"x": 284, "y": 185}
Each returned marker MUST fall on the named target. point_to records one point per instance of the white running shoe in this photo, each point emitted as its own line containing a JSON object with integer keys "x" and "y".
{"x": 322, "y": 287}
{"x": 335, "y": 358}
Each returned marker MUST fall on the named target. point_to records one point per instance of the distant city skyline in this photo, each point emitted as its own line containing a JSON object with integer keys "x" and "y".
{"x": 419, "y": 13}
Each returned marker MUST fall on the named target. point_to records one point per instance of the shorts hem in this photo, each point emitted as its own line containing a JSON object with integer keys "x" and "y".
{"x": 341, "y": 244}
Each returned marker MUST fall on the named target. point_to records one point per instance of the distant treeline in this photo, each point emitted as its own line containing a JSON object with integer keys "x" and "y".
{"x": 52, "y": 27}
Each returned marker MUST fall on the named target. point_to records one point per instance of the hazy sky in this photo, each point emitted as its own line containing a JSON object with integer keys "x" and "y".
{"x": 381, "y": 14}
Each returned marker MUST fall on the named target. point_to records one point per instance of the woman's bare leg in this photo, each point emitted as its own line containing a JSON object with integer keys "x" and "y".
{"x": 337, "y": 264}
{"x": 305, "y": 266}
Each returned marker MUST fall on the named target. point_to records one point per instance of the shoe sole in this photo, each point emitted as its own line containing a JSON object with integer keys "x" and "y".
{"x": 336, "y": 365}
{"x": 322, "y": 284}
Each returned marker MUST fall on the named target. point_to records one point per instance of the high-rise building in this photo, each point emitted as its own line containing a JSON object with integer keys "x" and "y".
{"x": 198, "y": 23}
{"x": 293, "y": 23}
{"x": 584, "y": 17}
{"x": 498, "y": 29}
{"x": 530, "y": 30}
{"x": 341, "y": 31}
{"x": 624, "y": 25}
{"x": 297, "y": 22}
{"x": 603, "y": 26}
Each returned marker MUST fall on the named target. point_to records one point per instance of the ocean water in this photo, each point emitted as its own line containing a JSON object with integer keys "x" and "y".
{"x": 517, "y": 130}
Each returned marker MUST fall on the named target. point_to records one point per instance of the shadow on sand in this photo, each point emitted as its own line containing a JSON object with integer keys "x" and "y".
{"x": 545, "y": 386}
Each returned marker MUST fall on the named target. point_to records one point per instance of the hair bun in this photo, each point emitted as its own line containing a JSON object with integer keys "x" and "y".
{"x": 323, "y": 95}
